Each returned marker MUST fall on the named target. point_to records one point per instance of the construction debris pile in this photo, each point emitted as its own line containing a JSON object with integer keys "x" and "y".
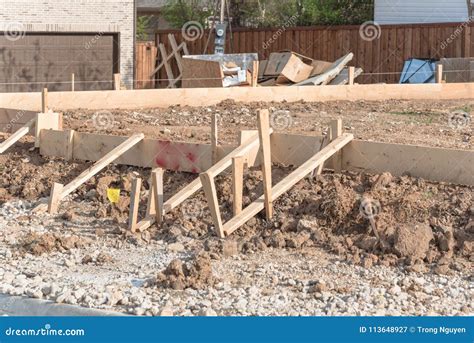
{"x": 289, "y": 68}
{"x": 284, "y": 68}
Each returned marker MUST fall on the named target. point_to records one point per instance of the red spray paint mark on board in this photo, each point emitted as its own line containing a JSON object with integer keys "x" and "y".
{"x": 178, "y": 156}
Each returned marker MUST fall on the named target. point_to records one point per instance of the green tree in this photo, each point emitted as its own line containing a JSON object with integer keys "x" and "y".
{"x": 274, "y": 13}
{"x": 266, "y": 13}
{"x": 179, "y": 12}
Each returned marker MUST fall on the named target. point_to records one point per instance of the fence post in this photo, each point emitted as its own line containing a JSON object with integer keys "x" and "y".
{"x": 439, "y": 73}
{"x": 351, "y": 75}
{"x": 117, "y": 81}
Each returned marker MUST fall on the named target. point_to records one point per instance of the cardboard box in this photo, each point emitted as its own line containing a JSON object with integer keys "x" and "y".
{"x": 286, "y": 66}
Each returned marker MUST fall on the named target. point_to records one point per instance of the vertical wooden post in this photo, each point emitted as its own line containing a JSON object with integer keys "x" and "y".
{"x": 439, "y": 73}
{"x": 209, "y": 187}
{"x": 55, "y": 197}
{"x": 336, "y": 131}
{"x": 266, "y": 156}
{"x": 157, "y": 188}
{"x": 44, "y": 100}
{"x": 351, "y": 72}
{"x": 254, "y": 81}
{"x": 72, "y": 82}
{"x": 214, "y": 137}
{"x": 237, "y": 183}
{"x": 134, "y": 203}
{"x": 70, "y": 145}
{"x": 151, "y": 207}
{"x": 117, "y": 81}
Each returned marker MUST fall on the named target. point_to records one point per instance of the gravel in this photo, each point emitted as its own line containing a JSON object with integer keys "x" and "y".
{"x": 307, "y": 281}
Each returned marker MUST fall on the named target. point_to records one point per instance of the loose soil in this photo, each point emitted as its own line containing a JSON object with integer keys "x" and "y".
{"x": 365, "y": 220}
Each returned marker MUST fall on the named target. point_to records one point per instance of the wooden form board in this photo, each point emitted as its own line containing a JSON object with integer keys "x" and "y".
{"x": 250, "y": 143}
{"x": 11, "y": 119}
{"x": 435, "y": 164}
{"x": 132, "y": 99}
{"x": 178, "y": 156}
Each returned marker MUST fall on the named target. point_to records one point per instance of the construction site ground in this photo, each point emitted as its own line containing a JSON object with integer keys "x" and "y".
{"x": 318, "y": 256}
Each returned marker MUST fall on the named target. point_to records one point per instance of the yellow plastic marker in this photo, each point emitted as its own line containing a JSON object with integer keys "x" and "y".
{"x": 113, "y": 195}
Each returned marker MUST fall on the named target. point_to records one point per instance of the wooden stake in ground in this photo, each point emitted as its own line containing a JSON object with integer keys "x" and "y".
{"x": 336, "y": 132}
{"x": 117, "y": 81}
{"x": 289, "y": 181}
{"x": 97, "y": 167}
{"x": 72, "y": 82}
{"x": 209, "y": 187}
{"x": 44, "y": 100}
{"x": 248, "y": 145}
{"x": 157, "y": 193}
{"x": 214, "y": 137}
{"x": 351, "y": 73}
{"x": 254, "y": 80}
{"x": 264, "y": 136}
{"x": 237, "y": 183}
{"x": 439, "y": 73}
{"x": 55, "y": 197}
{"x": 134, "y": 203}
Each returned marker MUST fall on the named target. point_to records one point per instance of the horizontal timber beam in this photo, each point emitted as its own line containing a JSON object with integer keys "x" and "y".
{"x": 434, "y": 164}
{"x": 132, "y": 99}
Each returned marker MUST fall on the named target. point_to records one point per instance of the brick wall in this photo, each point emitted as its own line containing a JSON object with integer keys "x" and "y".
{"x": 78, "y": 16}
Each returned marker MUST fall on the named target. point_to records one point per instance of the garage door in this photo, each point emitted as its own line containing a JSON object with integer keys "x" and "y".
{"x": 35, "y": 61}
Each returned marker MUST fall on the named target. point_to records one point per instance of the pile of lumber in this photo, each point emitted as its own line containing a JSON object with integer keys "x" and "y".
{"x": 288, "y": 68}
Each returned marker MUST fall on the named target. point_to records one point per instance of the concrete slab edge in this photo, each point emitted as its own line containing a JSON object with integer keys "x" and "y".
{"x": 23, "y": 306}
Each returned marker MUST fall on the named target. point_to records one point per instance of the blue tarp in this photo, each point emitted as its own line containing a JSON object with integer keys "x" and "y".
{"x": 418, "y": 71}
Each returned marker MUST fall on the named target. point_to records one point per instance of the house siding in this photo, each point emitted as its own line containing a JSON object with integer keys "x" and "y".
{"x": 420, "y": 11}
{"x": 77, "y": 16}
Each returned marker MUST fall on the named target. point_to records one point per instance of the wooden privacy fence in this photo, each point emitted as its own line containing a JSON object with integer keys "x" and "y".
{"x": 379, "y": 50}
{"x": 145, "y": 59}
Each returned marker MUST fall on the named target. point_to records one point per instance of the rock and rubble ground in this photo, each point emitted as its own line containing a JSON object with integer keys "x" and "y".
{"x": 318, "y": 256}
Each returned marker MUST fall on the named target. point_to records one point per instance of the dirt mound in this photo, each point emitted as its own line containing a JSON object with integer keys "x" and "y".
{"x": 196, "y": 274}
{"x": 416, "y": 221}
{"x": 38, "y": 244}
{"x": 413, "y": 241}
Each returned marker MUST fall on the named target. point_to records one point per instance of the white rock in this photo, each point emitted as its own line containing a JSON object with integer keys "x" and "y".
{"x": 176, "y": 247}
